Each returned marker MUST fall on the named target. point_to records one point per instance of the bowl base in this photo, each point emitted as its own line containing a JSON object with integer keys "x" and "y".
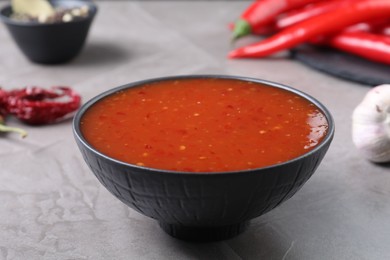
{"x": 204, "y": 234}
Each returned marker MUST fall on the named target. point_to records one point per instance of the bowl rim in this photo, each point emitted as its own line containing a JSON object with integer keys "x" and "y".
{"x": 78, "y": 135}
{"x": 7, "y": 20}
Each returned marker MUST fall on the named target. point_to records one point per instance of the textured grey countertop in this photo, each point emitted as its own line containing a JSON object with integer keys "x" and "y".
{"x": 52, "y": 207}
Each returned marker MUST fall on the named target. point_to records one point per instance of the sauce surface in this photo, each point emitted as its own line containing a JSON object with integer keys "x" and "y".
{"x": 203, "y": 125}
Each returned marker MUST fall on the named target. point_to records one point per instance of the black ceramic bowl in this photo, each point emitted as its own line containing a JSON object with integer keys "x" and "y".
{"x": 50, "y": 43}
{"x": 202, "y": 206}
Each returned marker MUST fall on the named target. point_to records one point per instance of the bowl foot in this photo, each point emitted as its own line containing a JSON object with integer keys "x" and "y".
{"x": 204, "y": 234}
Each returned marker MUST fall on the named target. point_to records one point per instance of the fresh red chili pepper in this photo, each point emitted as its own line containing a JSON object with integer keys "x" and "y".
{"x": 383, "y": 29}
{"x": 371, "y": 46}
{"x": 326, "y": 23}
{"x": 263, "y": 12}
{"x": 376, "y": 26}
{"x": 37, "y": 106}
{"x": 306, "y": 12}
{"x": 373, "y": 26}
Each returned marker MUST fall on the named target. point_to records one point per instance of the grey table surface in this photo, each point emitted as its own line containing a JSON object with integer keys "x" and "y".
{"x": 52, "y": 207}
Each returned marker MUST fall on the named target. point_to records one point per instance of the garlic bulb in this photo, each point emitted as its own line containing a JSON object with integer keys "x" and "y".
{"x": 371, "y": 124}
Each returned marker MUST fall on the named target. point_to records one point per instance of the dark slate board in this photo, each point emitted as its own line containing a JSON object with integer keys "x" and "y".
{"x": 343, "y": 65}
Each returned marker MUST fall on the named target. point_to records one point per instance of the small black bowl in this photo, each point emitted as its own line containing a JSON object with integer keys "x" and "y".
{"x": 202, "y": 206}
{"x": 50, "y": 43}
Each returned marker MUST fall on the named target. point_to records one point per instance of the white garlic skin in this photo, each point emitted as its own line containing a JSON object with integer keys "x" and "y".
{"x": 371, "y": 125}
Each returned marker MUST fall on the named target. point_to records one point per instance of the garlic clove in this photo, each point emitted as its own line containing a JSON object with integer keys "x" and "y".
{"x": 34, "y": 8}
{"x": 371, "y": 124}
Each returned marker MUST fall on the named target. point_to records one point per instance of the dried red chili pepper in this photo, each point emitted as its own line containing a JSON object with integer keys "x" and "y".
{"x": 38, "y": 106}
{"x": 261, "y": 13}
{"x": 371, "y": 46}
{"x": 3, "y": 102}
{"x": 326, "y": 23}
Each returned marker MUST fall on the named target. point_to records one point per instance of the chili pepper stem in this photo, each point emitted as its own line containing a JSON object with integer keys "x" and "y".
{"x": 7, "y": 129}
{"x": 241, "y": 28}
{"x": 20, "y": 131}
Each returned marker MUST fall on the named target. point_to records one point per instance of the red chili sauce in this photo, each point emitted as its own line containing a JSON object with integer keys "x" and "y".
{"x": 204, "y": 125}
